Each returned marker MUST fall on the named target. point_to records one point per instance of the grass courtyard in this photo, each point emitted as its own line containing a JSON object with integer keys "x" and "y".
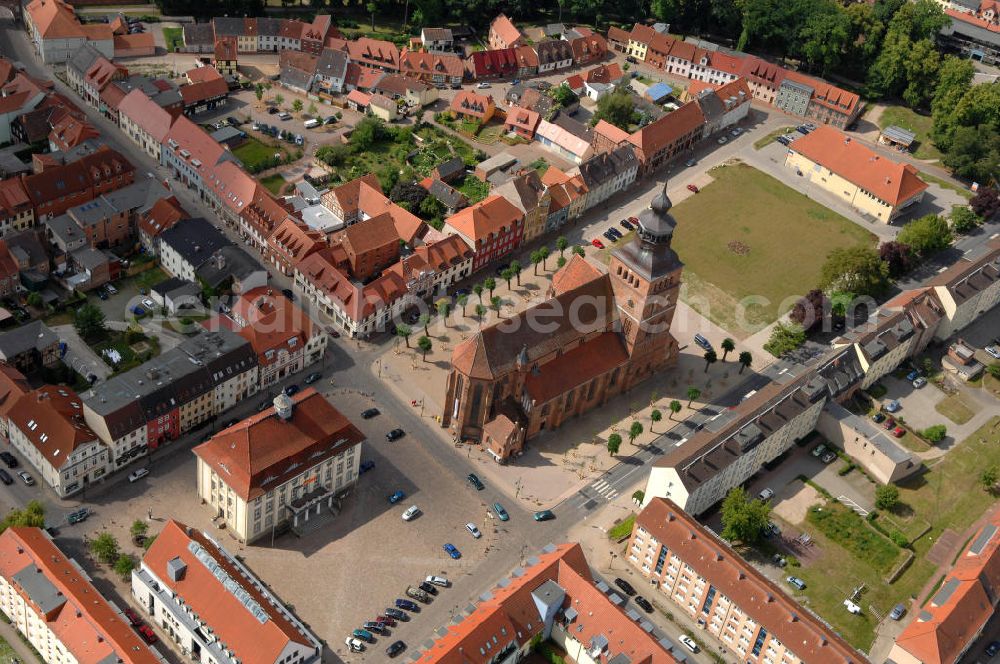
{"x": 174, "y": 38}
{"x": 273, "y": 183}
{"x": 749, "y": 238}
{"x": 254, "y": 154}
{"x": 920, "y": 125}
{"x": 947, "y": 496}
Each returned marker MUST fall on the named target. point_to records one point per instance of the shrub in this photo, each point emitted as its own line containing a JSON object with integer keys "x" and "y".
{"x": 935, "y": 433}
{"x": 846, "y": 469}
{"x": 899, "y": 539}
{"x": 886, "y": 497}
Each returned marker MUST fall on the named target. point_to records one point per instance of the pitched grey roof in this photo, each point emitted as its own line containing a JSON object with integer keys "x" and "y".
{"x": 35, "y": 335}
{"x": 449, "y": 196}
{"x": 226, "y": 26}
{"x": 229, "y": 261}
{"x": 82, "y": 59}
{"x": 332, "y": 63}
{"x": 296, "y": 78}
{"x": 88, "y": 258}
{"x": 269, "y": 27}
{"x": 199, "y": 34}
{"x": 605, "y": 166}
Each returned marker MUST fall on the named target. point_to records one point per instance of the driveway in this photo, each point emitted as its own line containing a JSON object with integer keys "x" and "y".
{"x": 80, "y": 356}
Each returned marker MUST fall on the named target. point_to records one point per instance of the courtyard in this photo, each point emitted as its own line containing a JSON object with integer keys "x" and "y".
{"x": 751, "y": 246}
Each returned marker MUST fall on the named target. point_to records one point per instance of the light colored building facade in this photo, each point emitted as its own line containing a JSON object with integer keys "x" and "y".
{"x": 51, "y": 601}
{"x": 313, "y": 456}
{"x": 213, "y": 607}
{"x": 967, "y": 289}
{"x": 872, "y": 447}
{"x": 713, "y": 586}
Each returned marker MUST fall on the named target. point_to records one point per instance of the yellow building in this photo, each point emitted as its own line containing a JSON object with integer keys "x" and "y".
{"x": 280, "y": 468}
{"x": 874, "y": 185}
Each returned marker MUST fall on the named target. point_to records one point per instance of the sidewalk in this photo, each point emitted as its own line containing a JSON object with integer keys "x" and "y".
{"x": 13, "y": 638}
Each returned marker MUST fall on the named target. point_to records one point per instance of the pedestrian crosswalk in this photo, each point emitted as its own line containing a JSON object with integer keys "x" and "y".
{"x": 607, "y": 491}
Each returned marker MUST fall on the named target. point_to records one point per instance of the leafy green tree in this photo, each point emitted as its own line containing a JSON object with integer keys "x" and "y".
{"x": 935, "y": 433}
{"x": 743, "y": 519}
{"x": 443, "y": 309}
{"x": 515, "y": 267}
{"x": 34, "y": 300}
{"x": 138, "y": 529}
{"x": 728, "y": 346}
{"x": 579, "y": 251}
{"x": 403, "y": 331}
{"x": 921, "y": 66}
{"x": 544, "y": 253}
{"x": 124, "y": 565}
{"x": 710, "y": 359}
{"x": 478, "y": 290}
{"x": 954, "y": 80}
{"x": 675, "y": 407}
{"x": 963, "y": 219}
{"x": 496, "y": 303}
{"x": 746, "y": 359}
{"x": 654, "y": 417}
{"x": 561, "y": 244}
{"x": 105, "y": 548}
{"x": 614, "y": 444}
{"x": 480, "y": 312}
{"x": 926, "y": 235}
{"x": 563, "y": 95}
{"x": 425, "y": 344}
{"x": 258, "y": 91}
{"x": 886, "y": 496}
{"x": 462, "y": 300}
{"x": 634, "y": 431}
{"x": 425, "y": 319}
{"x": 279, "y": 99}
{"x": 824, "y": 37}
{"x": 32, "y": 516}
{"x": 857, "y": 270}
{"x": 560, "y": 262}
{"x": 692, "y": 394}
{"x": 490, "y": 284}
{"x": 988, "y": 478}
{"x": 536, "y": 259}
{"x": 616, "y": 108}
{"x": 89, "y": 323}
{"x": 313, "y": 110}
{"x": 974, "y": 152}
{"x": 297, "y": 106}
{"x": 785, "y": 338}
{"x": 507, "y": 274}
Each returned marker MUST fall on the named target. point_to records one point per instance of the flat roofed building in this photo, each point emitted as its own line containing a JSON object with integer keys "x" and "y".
{"x": 734, "y": 602}
{"x": 287, "y": 466}
{"x": 52, "y": 602}
{"x": 213, "y": 607}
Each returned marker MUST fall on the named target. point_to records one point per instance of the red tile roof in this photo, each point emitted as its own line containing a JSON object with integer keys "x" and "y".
{"x": 357, "y": 302}
{"x": 293, "y": 240}
{"x": 467, "y": 102}
{"x": 430, "y": 64}
{"x": 69, "y": 132}
{"x": 226, "y": 48}
{"x": 253, "y": 641}
{"x": 263, "y": 451}
{"x": 126, "y": 45}
{"x": 661, "y": 133}
{"x": 611, "y": 132}
{"x": 827, "y": 94}
{"x": 575, "y": 367}
{"x": 511, "y": 615}
{"x": 81, "y": 618}
{"x": 945, "y": 626}
{"x": 201, "y": 74}
{"x": 13, "y": 384}
{"x": 498, "y": 62}
{"x": 55, "y": 19}
{"x": 273, "y": 323}
{"x": 522, "y": 118}
{"x": 163, "y": 214}
{"x": 359, "y": 98}
{"x": 51, "y": 419}
{"x": 972, "y": 19}
{"x": 194, "y": 93}
{"x": 488, "y": 216}
{"x": 756, "y": 595}
{"x": 605, "y": 73}
{"x": 526, "y": 57}
{"x": 588, "y": 48}
{"x": 506, "y": 30}
{"x": 149, "y": 116}
{"x": 14, "y": 197}
{"x": 373, "y": 52}
{"x": 889, "y": 181}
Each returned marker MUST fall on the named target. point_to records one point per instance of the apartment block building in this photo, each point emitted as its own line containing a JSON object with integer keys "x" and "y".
{"x": 712, "y": 584}
{"x": 968, "y": 288}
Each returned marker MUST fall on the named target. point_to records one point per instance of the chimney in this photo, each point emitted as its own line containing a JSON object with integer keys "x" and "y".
{"x": 220, "y": 260}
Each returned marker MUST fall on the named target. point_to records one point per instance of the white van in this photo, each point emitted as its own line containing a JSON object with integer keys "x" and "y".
{"x": 309, "y": 124}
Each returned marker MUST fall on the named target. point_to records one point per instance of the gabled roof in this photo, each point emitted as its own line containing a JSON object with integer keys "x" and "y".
{"x": 55, "y": 19}
{"x": 889, "y": 181}
{"x": 468, "y": 102}
{"x": 506, "y": 30}
{"x": 497, "y": 62}
{"x": 431, "y": 64}
{"x": 484, "y": 218}
{"x": 294, "y": 240}
{"x": 661, "y": 133}
{"x": 226, "y": 48}
{"x": 522, "y": 118}
{"x": 131, "y": 42}
{"x": 163, "y": 214}
{"x": 332, "y": 63}
{"x": 51, "y": 419}
{"x": 217, "y": 589}
{"x": 589, "y": 47}
{"x": 149, "y": 116}
{"x": 374, "y": 52}
{"x": 553, "y": 50}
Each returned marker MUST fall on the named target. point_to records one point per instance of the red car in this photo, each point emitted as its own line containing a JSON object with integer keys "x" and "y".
{"x": 693, "y": 188}
{"x": 889, "y": 424}
{"x": 146, "y": 632}
{"x": 133, "y": 617}
{"x": 634, "y": 220}
{"x": 899, "y": 432}
{"x": 597, "y": 243}
{"x": 385, "y": 620}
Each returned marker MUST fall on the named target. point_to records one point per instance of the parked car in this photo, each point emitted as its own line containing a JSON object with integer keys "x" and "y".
{"x": 616, "y": 233}
{"x": 597, "y": 243}
{"x": 375, "y": 627}
{"x": 625, "y": 586}
{"x": 395, "y": 434}
{"x": 702, "y": 342}
{"x": 626, "y": 224}
{"x": 366, "y": 465}
{"x": 609, "y": 236}
{"x": 452, "y": 551}
{"x": 779, "y": 560}
{"x": 688, "y": 642}
{"x": 291, "y": 389}
{"x": 766, "y": 494}
{"x": 473, "y": 530}
{"x": 828, "y": 457}
{"x": 370, "y": 413}
{"x": 893, "y": 406}
{"x": 819, "y": 450}
{"x": 993, "y": 648}
{"x": 411, "y": 513}
{"x": 889, "y": 424}
{"x": 722, "y": 140}
{"x": 501, "y": 512}
{"x": 312, "y": 378}
{"x": 483, "y": 86}
{"x": 797, "y": 582}
{"x": 784, "y": 140}
{"x": 354, "y": 645}
{"x": 437, "y": 581}
{"x": 137, "y": 310}
{"x": 428, "y": 588}
{"x": 736, "y": 132}
{"x": 802, "y": 130}
{"x": 690, "y": 162}
{"x": 5, "y": 477}
{"x": 692, "y": 188}
{"x": 147, "y": 634}
{"x": 897, "y": 612}
{"x": 919, "y": 382}
{"x": 878, "y": 417}
{"x": 78, "y": 516}
{"x": 133, "y": 617}
{"x": 396, "y": 497}
{"x": 363, "y": 635}
{"x": 993, "y": 351}
{"x": 913, "y": 375}
{"x": 396, "y": 614}
{"x": 9, "y": 459}
{"x": 899, "y": 432}
{"x": 476, "y": 483}
{"x": 26, "y": 477}
{"x": 543, "y": 515}
{"x": 395, "y": 648}
{"x": 644, "y": 603}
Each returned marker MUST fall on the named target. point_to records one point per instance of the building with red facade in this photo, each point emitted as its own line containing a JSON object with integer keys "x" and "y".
{"x": 492, "y": 228}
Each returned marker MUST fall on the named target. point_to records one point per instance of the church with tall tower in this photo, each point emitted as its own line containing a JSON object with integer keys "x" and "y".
{"x": 597, "y": 334}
